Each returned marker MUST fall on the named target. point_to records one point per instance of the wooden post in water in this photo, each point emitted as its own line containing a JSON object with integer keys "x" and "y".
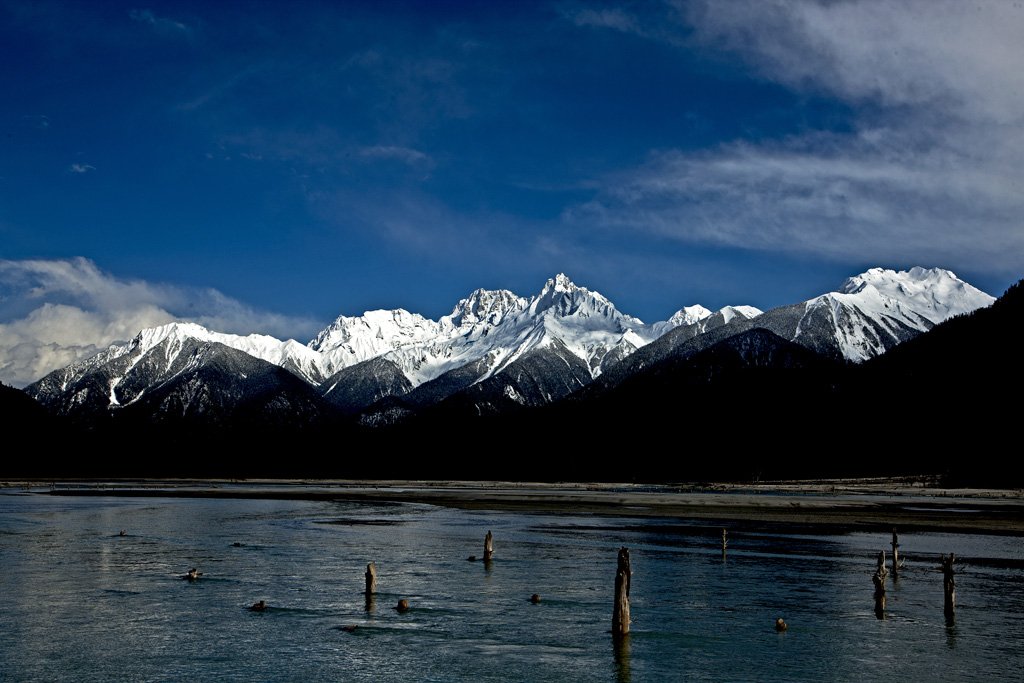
{"x": 724, "y": 541}
{"x": 948, "y": 585}
{"x": 488, "y": 549}
{"x": 895, "y": 554}
{"x": 371, "y": 578}
{"x": 878, "y": 578}
{"x": 620, "y": 612}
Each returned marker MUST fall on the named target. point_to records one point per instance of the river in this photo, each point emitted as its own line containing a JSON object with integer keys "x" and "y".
{"x": 82, "y": 602}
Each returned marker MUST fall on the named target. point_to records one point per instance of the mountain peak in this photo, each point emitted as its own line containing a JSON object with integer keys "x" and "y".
{"x": 883, "y": 278}
{"x": 688, "y": 315}
{"x": 934, "y": 293}
{"x": 559, "y": 283}
{"x": 485, "y": 304}
{"x": 563, "y": 298}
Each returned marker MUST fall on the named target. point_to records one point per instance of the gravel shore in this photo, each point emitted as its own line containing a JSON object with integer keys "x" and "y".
{"x": 848, "y": 503}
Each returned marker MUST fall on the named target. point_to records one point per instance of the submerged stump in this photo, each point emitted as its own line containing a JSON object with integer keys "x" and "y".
{"x": 620, "y": 611}
{"x": 948, "y": 585}
{"x": 371, "y": 578}
{"x": 878, "y": 579}
{"x": 488, "y": 547}
{"x": 895, "y": 554}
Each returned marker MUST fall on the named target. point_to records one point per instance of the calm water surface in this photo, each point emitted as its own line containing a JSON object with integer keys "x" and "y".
{"x": 83, "y": 603}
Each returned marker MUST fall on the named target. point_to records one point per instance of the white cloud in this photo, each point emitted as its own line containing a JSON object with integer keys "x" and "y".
{"x": 929, "y": 174}
{"x": 56, "y": 312}
{"x": 959, "y": 56}
{"x": 80, "y": 168}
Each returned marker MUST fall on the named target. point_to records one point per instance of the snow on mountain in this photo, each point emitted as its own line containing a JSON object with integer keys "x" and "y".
{"x": 489, "y": 332}
{"x": 289, "y": 354}
{"x": 688, "y": 315}
{"x": 124, "y": 372}
{"x": 484, "y": 306}
{"x": 729, "y": 313}
{"x": 875, "y": 310}
{"x": 935, "y": 294}
{"x": 348, "y": 341}
{"x": 491, "y": 329}
{"x": 484, "y": 333}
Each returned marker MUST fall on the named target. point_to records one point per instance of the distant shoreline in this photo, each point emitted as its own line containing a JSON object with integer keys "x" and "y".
{"x": 843, "y": 503}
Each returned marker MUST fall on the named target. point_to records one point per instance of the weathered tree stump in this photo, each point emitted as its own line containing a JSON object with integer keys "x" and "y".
{"x": 620, "y": 612}
{"x": 488, "y": 547}
{"x": 878, "y": 578}
{"x": 403, "y": 605}
{"x": 535, "y": 598}
{"x": 371, "y": 578}
{"x": 895, "y": 554}
{"x": 948, "y": 585}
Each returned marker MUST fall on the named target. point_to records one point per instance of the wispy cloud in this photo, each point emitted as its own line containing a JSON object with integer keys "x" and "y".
{"x": 80, "y": 168}
{"x": 652, "y": 20}
{"x": 613, "y": 18}
{"x": 406, "y": 155}
{"x": 928, "y": 174}
{"x": 36, "y": 121}
{"x": 55, "y": 312}
{"x": 161, "y": 24}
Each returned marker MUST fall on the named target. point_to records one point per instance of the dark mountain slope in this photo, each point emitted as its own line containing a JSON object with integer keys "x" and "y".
{"x": 223, "y": 387}
{"x": 356, "y": 387}
{"x": 958, "y": 387}
{"x": 23, "y": 417}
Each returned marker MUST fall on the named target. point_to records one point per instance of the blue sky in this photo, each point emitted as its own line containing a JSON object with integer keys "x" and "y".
{"x": 269, "y": 166}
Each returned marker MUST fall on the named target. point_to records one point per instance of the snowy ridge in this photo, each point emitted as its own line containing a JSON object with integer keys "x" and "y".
{"x": 886, "y": 301}
{"x": 68, "y": 376}
{"x": 563, "y": 330}
{"x": 688, "y": 315}
{"x": 731, "y": 312}
{"x": 934, "y": 294}
{"x": 584, "y": 322}
{"x": 298, "y": 358}
{"x": 491, "y": 327}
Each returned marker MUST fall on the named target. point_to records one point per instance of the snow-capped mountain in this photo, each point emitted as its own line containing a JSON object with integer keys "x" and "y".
{"x": 867, "y": 315}
{"x": 490, "y": 333}
{"x": 381, "y": 353}
{"x": 183, "y": 369}
{"x": 872, "y": 312}
{"x": 503, "y": 347}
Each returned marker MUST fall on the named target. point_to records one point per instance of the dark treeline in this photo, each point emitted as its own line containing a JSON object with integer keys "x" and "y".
{"x": 753, "y": 407}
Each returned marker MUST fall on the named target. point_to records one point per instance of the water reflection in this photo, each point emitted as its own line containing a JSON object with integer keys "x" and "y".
{"x": 950, "y": 632}
{"x": 623, "y": 671}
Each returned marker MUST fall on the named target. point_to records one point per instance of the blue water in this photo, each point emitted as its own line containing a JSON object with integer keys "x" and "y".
{"x": 83, "y": 603}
